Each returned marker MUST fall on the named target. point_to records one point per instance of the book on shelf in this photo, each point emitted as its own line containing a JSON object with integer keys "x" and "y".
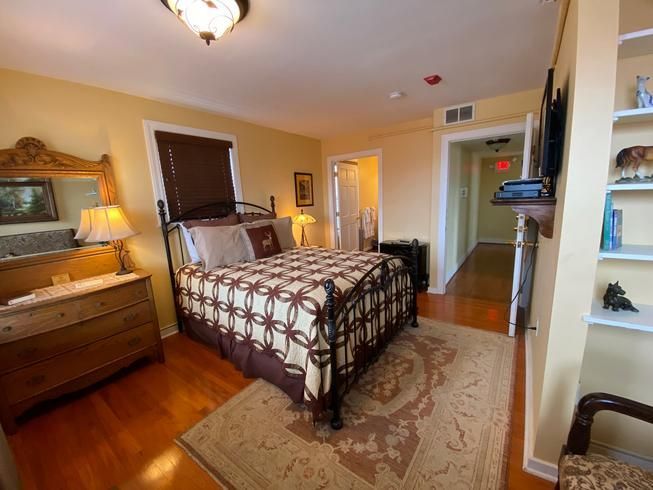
{"x": 607, "y": 222}
{"x": 17, "y": 299}
{"x": 616, "y": 232}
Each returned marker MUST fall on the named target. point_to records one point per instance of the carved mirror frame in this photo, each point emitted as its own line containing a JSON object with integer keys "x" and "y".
{"x": 31, "y": 158}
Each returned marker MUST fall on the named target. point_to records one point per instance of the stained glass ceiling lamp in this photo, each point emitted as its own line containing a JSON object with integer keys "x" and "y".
{"x": 209, "y": 19}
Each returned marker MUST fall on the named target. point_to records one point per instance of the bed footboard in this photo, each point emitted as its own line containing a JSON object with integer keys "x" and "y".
{"x": 361, "y": 325}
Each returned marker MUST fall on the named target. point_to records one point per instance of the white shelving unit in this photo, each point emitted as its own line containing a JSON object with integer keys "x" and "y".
{"x": 629, "y": 252}
{"x": 629, "y": 116}
{"x": 631, "y": 187}
{"x": 622, "y": 319}
{"x": 638, "y": 43}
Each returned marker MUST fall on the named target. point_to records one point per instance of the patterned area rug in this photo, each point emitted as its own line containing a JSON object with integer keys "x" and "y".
{"x": 433, "y": 412}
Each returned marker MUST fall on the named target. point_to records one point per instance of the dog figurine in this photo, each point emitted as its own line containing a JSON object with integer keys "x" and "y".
{"x": 614, "y": 298}
{"x": 644, "y": 97}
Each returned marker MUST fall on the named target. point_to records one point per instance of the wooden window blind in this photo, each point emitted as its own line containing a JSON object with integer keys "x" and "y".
{"x": 196, "y": 171}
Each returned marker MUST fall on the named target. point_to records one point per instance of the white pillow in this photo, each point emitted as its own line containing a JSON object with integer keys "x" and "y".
{"x": 282, "y": 228}
{"x": 190, "y": 246}
{"x": 218, "y": 246}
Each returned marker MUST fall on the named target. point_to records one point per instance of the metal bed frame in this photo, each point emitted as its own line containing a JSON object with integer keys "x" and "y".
{"x": 348, "y": 319}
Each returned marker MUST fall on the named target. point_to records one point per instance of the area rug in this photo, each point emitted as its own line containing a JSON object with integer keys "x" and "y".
{"x": 432, "y": 412}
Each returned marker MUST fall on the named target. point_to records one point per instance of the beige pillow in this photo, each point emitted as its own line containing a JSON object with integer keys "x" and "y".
{"x": 282, "y": 228}
{"x": 219, "y": 245}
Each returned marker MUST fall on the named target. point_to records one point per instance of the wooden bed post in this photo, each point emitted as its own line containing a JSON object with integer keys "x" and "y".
{"x": 330, "y": 303}
{"x": 273, "y": 206}
{"x": 164, "y": 231}
{"x": 414, "y": 255}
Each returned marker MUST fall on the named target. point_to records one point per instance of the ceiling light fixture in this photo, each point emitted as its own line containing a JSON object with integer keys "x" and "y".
{"x": 209, "y": 19}
{"x": 498, "y": 143}
{"x": 397, "y": 94}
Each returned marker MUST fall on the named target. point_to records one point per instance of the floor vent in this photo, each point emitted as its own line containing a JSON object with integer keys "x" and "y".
{"x": 459, "y": 114}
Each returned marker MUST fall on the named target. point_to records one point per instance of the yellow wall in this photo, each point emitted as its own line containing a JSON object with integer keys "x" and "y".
{"x": 368, "y": 182}
{"x": 496, "y": 223}
{"x": 459, "y": 238}
{"x": 566, "y": 264}
{"x": 88, "y": 121}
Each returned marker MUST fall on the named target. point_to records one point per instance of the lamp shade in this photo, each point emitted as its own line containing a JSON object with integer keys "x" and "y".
{"x": 85, "y": 224}
{"x": 209, "y": 19}
{"x": 109, "y": 223}
{"x": 303, "y": 219}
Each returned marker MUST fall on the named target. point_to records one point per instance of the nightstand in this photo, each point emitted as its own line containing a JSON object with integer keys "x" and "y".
{"x": 73, "y": 335}
{"x": 402, "y": 247}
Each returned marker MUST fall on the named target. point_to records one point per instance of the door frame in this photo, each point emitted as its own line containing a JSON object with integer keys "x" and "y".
{"x": 445, "y": 141}
{"x": 331, "y": 201}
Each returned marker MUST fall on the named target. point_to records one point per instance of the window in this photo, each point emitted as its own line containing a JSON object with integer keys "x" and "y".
{"x": 191, "y": 167}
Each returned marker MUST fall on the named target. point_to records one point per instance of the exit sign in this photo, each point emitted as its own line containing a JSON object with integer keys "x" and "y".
{"x": 502, "y": 166}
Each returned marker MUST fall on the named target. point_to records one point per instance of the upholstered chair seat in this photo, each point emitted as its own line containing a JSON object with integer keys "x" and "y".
{"x": 599, "y": 472}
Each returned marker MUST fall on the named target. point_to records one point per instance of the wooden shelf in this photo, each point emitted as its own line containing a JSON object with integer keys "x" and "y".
{"x": 621, "y": 319}
{"x": 541, "y": 209}
{"x": 638, "y": 43}
{"x": 630, "y": 116}
{"x": 629, "y": 252}
{"x": 631, "y": 187}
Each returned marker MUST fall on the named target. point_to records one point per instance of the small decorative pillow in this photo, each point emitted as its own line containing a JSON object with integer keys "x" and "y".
{"x": 252, "y": 218}
{"x": 229, "y": 220}
{"x": 283, "y": 229}
{"x": 260, "y": 241}
{"x": 219, "y": 245}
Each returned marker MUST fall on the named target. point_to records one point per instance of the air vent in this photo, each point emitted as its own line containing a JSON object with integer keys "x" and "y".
{"x": 458, "y": 114}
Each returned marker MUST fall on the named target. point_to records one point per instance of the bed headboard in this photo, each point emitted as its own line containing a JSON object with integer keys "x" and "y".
{"x": 218, "y": 209}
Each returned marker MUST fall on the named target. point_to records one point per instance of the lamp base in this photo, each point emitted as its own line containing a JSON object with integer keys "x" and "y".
{"x": 121, "y": 257}
{"x": 122, "y": 272}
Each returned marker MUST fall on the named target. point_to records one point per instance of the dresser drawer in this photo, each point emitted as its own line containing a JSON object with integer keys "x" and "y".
{"x": 37, "y": 378}
{"x": 37, "y": 320}
{"x": 104, "y": 301}
{"x": 25, "y": 351}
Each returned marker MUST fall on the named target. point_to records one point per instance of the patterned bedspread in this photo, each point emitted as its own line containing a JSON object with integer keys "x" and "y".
{"x": 275, "y": 306}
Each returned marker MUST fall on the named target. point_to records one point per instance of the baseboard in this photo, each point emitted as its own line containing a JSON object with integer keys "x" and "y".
{"x": 492, "y": 241}
{"x": 531, "y": 464}
{"x": 460, "y": 263}
{"x": 169, "y": 330}
{"x": 542, "y": 469}
{"x": 645, "y": 462}
{"x": 434, "y": 291}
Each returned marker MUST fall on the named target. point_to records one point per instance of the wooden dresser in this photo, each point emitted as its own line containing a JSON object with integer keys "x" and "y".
{"x": 71, "y": 337}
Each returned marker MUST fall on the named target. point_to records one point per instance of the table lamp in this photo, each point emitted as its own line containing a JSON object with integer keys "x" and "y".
{"x": 302, "y": 220}
{"x": 107, "y": 224}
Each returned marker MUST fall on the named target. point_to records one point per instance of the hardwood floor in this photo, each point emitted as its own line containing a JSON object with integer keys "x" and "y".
{"x": 120, "y": 435}
{"x": 486, "y": 274}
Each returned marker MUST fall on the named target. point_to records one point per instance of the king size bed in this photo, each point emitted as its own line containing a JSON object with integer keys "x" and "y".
{"x": 308, "y": 319}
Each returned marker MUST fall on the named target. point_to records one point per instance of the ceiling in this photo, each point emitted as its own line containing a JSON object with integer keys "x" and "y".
{"x": 312, "y": 67}
{"x": 515, "y": 145}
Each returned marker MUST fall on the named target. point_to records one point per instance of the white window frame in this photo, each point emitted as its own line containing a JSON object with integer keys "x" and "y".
{"x": 155, "y": 163}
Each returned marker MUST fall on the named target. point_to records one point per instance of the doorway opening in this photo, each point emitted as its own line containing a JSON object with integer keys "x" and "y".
{"x": 481, "y": 248}
{"x": 355, "y": 200}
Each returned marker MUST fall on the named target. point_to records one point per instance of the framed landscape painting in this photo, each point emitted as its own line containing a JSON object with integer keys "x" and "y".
{"x": 303, "y": 189}
{"x": 26, "y": 201}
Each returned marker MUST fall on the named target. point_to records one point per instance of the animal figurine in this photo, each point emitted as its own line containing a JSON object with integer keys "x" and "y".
{"x": 644, "y": 97}
{"x": 267, "y": 242}
{"x": 634, "y": 156}
{"x": 614, "y": 298}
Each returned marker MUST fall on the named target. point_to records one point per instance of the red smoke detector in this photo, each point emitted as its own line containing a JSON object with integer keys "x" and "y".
{"x": 433, "y": 79}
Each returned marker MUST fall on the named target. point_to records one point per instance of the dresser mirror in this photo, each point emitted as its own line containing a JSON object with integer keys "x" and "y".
{"x": 42, "y": 193}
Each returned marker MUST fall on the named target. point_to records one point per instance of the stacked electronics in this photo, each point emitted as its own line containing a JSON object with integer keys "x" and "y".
{"x": 523, "y": 189}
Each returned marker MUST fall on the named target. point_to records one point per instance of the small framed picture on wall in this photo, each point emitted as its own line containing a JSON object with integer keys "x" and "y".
{"x": 303, "y": 189}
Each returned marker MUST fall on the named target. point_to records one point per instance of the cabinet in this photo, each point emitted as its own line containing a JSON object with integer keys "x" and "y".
{"x": 402, "y": 247}
{"x": 71, "y": 336}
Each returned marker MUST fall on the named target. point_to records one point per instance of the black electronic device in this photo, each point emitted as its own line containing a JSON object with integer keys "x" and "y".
{"x": 516, "y": 194}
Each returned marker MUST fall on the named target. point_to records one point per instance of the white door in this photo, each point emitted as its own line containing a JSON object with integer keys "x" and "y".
{"x": 521, "y": 229}
{"x": 346, "y": 180}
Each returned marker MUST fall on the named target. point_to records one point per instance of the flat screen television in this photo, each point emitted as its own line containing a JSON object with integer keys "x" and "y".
{"x": 551, "y": 133}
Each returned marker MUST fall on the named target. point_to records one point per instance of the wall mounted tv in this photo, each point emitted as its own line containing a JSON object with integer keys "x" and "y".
{"x": 550, "y": 142}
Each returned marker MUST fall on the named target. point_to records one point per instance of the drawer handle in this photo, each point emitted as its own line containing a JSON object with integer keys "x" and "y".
{"x": 100, "y": 304}
{"x": 130, "y": 317}
{"x": 134, "y": 341}
{"x": 7, "y": 329}
{"x": 36, "y": 380}
{"x": 61, "y": 315}
{"x": 27, "y": 353}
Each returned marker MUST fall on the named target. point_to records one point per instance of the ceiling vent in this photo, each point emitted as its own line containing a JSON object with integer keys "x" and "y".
{"x": 459, "y": 114}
